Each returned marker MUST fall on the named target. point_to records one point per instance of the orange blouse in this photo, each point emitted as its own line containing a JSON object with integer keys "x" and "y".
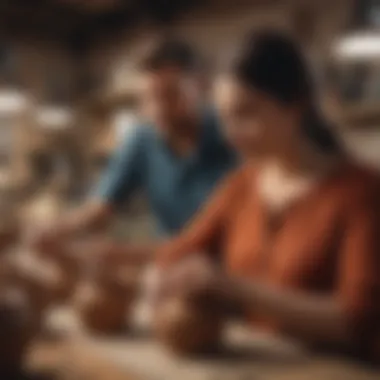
{"x": 327, "y": 243}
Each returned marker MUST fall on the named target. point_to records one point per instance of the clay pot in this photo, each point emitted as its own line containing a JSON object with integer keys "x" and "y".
{"x": 186, "y": 328}
{"x": 10, "y": 228}
{"x": 8, "y": 237}
{"x": 40, "y": 290}
{"x": 67, "y": 271}
{"x": 16, "y": 330}
{"x": 68, "y": 276}
{"x": 6, "y": 273}
{"x": 103, "y": 303}
{"x": 40, "y": 297}
{"x": 36, "y": 280}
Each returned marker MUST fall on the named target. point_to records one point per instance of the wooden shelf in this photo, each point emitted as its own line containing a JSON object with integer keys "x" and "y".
{"x": 361, "y": 115}
{"x": 105, "y": 102}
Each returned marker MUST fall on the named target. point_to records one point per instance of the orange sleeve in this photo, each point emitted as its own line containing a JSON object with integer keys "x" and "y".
{"x": 205, "y": 229}
{"x": 359, "y": 266}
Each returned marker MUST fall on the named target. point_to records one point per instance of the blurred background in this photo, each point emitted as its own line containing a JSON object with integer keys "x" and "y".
{"x": 67, "y": 91}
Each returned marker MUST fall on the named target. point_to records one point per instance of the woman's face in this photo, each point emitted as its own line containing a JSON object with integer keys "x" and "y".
{"x": 255, "y": 123}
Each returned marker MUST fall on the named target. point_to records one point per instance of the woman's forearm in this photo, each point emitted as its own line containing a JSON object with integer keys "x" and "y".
{"x": 312, "y": 318}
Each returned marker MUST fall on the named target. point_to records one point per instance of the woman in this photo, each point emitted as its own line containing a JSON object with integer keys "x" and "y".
{"x": 296, "y": 227}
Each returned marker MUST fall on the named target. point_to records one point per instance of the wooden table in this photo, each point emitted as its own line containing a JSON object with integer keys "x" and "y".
{"x": 250, "y": 356}
{"x": 261, "y": 358}
{"x": 58, "y": 361}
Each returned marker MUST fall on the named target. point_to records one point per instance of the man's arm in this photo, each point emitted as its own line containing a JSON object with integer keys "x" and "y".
{"x": 123, "y": 176}
{"x": 90, "y": 217}
{"x": 126, "y": 170}
{"x": 199, "y": 236}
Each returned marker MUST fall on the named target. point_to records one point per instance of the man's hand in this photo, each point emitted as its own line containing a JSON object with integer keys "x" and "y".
{"x": 89, "y": 218}
{"x": 103, "y": 251}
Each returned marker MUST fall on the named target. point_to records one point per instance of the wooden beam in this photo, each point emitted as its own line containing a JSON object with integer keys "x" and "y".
{"x": 93, "y": 6}
{"x": 43, "y": 20}
{"x": 362, "y": 115}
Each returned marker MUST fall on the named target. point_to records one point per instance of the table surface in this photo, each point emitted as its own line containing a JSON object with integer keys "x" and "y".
{"x": 58, "y": 361}
{"x": 252, "y": 357}
{"x": 249, "y": 355}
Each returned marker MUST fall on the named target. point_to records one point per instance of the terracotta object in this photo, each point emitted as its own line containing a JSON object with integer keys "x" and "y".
{"x": 6, "y": 273}
{"x": 67, "y": 270}
{"x": 68, "y": 277}
{"x": 186, "y": 328}
{"x": 39, "y": 295}
{"x": 36, "y": 279}
{"x": 10, "y": 230}
{"x": 8, "y": 237}
{"x": 16, "y": 330}
{"x": 103, "y": 303}
{"x": 73, "y": 260}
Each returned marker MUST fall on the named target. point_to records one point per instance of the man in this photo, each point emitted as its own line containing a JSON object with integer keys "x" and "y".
{"x": 177, "y": 157}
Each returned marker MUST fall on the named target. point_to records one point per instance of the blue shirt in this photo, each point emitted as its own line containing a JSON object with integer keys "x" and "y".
{"x": 176, "y": 187}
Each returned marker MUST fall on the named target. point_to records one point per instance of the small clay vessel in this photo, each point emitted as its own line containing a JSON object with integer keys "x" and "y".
{"x": 10, "y": 227}
{"x": 16, "y": 330}
{"x": 68, "y": 277}
{"x": 8, "y": 237}
{"x": 187, "y": 328}
{"x": 36, "y": 280}
{"x": 103, "y": 302}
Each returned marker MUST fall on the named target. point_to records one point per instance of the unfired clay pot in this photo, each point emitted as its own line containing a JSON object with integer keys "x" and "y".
{"x": 186, "y": 328}
{"x": 16, "y": 330}
{"x": 68, "y": 277}
{"x": 35, "y": 279}
{"x": 8, "y": 237}
{"x": 103, "y": 303}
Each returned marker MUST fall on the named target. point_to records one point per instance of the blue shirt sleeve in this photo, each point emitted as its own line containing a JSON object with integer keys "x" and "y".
{"x": 125, "y": 171}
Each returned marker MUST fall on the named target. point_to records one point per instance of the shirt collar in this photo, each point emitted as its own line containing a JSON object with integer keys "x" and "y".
{"x": 209, "y": 131}
{"x": 208, "y": 125}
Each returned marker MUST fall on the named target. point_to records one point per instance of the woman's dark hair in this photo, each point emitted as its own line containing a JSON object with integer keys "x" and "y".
{"x": 272, "y": 63}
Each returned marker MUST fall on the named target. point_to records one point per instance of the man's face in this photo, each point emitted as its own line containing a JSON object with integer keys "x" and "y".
{"x": 168, "y": 97}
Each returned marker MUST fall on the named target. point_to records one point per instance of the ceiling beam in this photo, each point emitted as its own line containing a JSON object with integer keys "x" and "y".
{"x": 95, "y": 6}
{"x": 47, "y": 20}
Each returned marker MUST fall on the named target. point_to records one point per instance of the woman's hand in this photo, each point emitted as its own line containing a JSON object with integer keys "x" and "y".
{"x": 195, "y": 277}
